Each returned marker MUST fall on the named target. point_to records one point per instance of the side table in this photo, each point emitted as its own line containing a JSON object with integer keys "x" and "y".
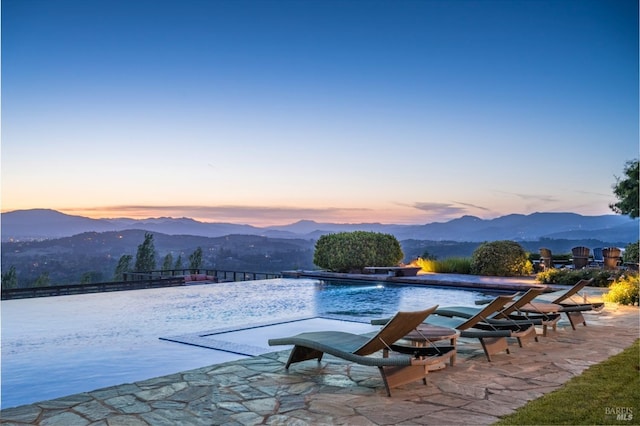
{"x": 425, "y": 334}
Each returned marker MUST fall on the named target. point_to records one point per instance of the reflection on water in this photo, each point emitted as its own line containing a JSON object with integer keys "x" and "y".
{"x": 57, "y": 346}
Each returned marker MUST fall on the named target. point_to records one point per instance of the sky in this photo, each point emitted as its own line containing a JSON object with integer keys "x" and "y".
{"x": 269, "y": 112}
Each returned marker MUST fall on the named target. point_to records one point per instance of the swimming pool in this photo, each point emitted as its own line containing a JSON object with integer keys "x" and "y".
{"x": 57, "y": 346}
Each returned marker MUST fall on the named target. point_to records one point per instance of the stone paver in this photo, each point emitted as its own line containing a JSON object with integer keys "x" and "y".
{"x": 260, "y": 391}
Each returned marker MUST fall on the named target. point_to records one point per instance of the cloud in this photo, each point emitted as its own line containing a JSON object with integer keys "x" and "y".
{"x": 440, "y": 209}
{"x": 473, "y": 206}
{"x": 533, "y": 197}
{"x": 599, "y": 194}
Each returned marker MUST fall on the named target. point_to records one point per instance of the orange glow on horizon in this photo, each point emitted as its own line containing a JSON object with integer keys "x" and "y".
{"x": 254, "y": 218}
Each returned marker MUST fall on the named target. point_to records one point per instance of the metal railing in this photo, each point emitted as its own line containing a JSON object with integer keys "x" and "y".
{"x": 140, "y": 280}
{"x": 213, "y": 274}
{"x": 62, "y": 290}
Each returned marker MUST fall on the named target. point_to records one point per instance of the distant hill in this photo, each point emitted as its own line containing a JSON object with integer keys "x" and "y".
{"x": 94, "y": 254}
{"x": 66, "y": 260}
{"x": 41, "y": 224}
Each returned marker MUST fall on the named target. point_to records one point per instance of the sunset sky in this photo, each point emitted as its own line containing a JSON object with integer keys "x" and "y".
{"x": 268, "y": 112}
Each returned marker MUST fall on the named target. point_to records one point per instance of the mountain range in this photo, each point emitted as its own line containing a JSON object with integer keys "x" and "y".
{"x": 41, "y": 224}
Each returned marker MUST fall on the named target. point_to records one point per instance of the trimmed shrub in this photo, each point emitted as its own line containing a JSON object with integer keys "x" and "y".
{"x": 352, "y": 251}
{"x": 501, "y": 258}
{"x": 625, "y": 290}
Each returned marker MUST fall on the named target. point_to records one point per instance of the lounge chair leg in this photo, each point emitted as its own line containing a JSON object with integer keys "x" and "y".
{"x": 575, "y": 318}
{"x": 550, "y": 322}
{"x": 384, "y": 380}
{"x": 452, "y": 360}
{"x": 398, "y": 376}
{"x": 529, "y": 333}
{"x": 494, "y": 345}
{"x": 300, "y": 353}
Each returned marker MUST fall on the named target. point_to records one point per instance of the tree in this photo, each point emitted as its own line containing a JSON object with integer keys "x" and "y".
{"x": 146, "y": 256}
{"x": 195, "y": 259}
{"x": 168, "y": 262}
{"x": 91, "y": 277}
{"x": 124, "y": 265}
{"x": 428, "y": 256}
{"x": 350, "y": 251}
{"x": 178, "y": 264}
{"x": 626, "y": 191}
{"x": 10, "y": 278}
{"x": 43, "y": 280}
{"x": 632, "y": 252}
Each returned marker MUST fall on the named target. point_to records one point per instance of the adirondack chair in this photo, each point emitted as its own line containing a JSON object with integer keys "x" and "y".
{"x": 580, "y": 257}
{"x": 545, "y": 258}
{"x": 612, "y": 257}
{"x": 598, "y": 257}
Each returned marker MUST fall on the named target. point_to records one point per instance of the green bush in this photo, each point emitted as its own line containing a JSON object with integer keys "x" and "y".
{"x": 601, "y": 277}
{"x": 631, "y": 253}
{"x": 352, "y": 251}
{"x": 500, "y": 258}
{"x": 625, "y": 290}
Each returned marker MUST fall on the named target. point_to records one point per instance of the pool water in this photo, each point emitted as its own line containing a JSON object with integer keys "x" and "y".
{"x": 57, "y": 346}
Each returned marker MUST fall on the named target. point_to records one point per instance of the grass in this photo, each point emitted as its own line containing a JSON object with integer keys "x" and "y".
{"x": 595, "y": 397}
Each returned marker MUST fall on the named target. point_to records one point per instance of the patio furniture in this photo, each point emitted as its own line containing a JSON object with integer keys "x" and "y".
{"x": 511, "y": 312}
{"x": 598, "y": 257}
{"x": 612, "y": 256}
{"x": 546, "y": 258}
{"x": 567, "y": 303}
{"x": 429, "y": 334}
{"x": 580, "y": 257}
{"x": 410, "y": 364}
{"x": 492, "y": 335}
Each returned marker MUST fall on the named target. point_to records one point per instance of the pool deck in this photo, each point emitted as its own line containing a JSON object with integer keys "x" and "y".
{"x": 259, "y": 390}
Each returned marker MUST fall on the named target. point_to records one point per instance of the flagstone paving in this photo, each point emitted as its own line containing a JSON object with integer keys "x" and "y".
{"x": 259, "y": 390}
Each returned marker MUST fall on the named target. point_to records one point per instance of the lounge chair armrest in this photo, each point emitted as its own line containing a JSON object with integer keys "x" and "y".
{"x": 380, "y": 321}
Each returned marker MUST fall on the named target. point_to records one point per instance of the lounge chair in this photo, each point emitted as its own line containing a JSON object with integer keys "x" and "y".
{"x": 492, "y": 335}
{"x": 568, "y": 302}
{"x": 408, "y": 365}
{"x": 511, "y": 311}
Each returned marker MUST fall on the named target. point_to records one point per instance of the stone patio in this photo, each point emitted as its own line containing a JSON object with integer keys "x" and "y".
{"x": 259, "y": 390}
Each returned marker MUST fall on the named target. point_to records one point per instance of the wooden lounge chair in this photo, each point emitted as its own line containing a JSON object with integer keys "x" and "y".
{"x": 511, "y": 312}
{"x": 404, "y": 365}
{"x": 492, "y": 335}
{"x": 568, "y": 302}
